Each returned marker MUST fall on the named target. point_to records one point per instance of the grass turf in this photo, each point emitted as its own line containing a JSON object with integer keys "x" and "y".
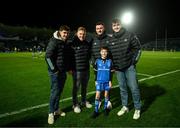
{"x": 24, "y": 82}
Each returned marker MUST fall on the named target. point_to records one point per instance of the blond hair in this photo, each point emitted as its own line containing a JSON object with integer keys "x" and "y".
{"x": 81, "y": 28}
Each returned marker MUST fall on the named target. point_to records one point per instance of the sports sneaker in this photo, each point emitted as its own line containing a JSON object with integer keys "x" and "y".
{"x": 59, "y": 113}
{"x": 51, "y": 118}
{"x": 99, "y": 104}
{"x": 95, "y": 114}
{"x": 136, "y": 114}
{"x": 123, "y": 110}
{"x": 109, "y": 105}
{"x": 77, "y": 109}
{"x": 88, "y": 105}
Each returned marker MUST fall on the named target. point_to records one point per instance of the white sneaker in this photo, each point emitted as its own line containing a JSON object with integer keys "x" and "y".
{"x": 59, "y": 112}
{"x": 51, "y": 118}
{"x": 109, "y": 105}
{"x": 136, "y": 114}
{"x": 77, "y": 109}
{"x": 88, "y": 105}
{"x": 123, "y": 110}
{"x": 99, "y": 104}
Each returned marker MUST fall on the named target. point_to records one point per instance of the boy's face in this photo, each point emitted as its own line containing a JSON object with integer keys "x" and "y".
{"x": 103, "y": 53}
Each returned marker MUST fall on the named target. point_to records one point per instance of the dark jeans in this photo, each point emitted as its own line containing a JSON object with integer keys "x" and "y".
{"x": 80, "y": 78}
{"x": 57, "y": 84}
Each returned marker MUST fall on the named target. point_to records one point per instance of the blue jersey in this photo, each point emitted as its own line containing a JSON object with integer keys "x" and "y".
{"x": 103, "y": 68}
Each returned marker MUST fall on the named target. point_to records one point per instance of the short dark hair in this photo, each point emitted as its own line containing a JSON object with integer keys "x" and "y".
{"x": 104, "y": 47}
{"x": 64, "y": 27}
{"x": 100, "y": 23}
{"x": 116, "y": 20}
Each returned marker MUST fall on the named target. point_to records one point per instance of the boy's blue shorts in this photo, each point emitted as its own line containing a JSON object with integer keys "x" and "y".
{"x": 102, "y": 86}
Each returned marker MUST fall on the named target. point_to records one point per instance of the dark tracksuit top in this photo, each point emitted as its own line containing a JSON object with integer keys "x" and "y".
{"x": 97, "y": 43}
{"x": 55, "y": 55}
{"x": 125, "y": 49}
{"x": 81, "y": 54}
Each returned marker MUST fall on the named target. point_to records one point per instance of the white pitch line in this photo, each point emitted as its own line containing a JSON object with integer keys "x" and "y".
{"x": 164, "y": 57}
{"x": 142, "y": 74}
{"x": 163, "y": 74}
{"x": 69, "y": 98}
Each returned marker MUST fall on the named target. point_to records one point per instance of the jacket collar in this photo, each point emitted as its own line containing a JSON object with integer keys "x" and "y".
{"x": 100, "y": 37}
{"x": 120, "y": 33}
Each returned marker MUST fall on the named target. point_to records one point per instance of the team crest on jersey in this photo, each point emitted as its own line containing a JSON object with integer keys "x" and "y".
{"x": 100, "y": 65}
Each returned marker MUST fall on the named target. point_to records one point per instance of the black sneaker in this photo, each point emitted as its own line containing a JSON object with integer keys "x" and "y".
{"x": 106, "y": 112}
{"x": 95, "y": 114}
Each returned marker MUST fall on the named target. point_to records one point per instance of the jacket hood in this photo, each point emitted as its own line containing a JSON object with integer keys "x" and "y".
{"x": 55, "y": 35}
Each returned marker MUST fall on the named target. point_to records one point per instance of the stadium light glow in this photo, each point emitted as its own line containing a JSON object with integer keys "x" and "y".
{"x": 127, "y": 18}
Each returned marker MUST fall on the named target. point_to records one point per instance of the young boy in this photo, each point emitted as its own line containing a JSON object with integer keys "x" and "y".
{"x": 103, "y": 65}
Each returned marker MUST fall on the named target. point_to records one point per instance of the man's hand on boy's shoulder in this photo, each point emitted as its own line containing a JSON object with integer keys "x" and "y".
{"x": 113, "y": 70}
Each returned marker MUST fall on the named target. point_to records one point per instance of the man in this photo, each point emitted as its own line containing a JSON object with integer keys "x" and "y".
{"x": 55, "y": 58}
{"x": 81, "y": 52}
{"x": 100, "y": 39}
{"x": 126, "y": 49}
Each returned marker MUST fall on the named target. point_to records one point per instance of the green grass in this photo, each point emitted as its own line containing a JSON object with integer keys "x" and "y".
{"x": 24, "y": 82}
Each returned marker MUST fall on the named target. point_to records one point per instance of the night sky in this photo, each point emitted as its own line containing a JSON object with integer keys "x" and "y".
{"x": 151, "y": 16}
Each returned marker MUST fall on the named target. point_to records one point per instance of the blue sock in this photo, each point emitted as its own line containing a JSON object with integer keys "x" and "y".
{"x": 105, "y": 103}
{"x": 96, "y": 105}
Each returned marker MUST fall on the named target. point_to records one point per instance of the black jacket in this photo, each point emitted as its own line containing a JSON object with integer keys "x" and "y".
{"x": 55, "y": 55}
{"x": 125, "y": 49}
{"x": 81, "y": 52}
{"x": 97, "y": 43}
